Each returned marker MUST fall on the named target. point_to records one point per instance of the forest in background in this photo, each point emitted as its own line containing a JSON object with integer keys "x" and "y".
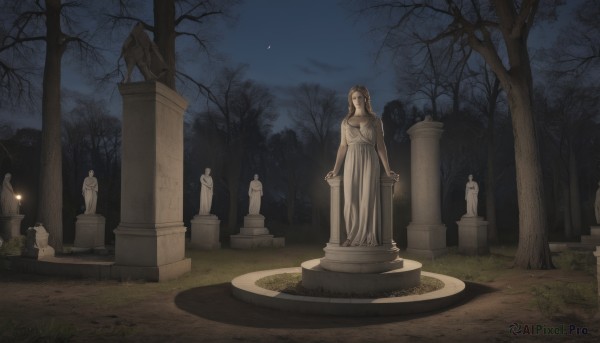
{"x": 232, "y": 133}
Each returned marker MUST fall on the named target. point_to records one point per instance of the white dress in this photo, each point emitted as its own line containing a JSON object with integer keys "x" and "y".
{"x": 206, "y": 194}
{"x": 362, "y": 211}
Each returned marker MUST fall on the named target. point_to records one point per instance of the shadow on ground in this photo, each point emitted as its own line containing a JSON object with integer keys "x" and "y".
{"x": 217, "y": 303}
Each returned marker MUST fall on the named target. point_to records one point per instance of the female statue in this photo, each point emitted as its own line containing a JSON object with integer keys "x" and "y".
{"x": 471, "y": 191}
{"x": 8, "y": 203}
{"x": 360, "y": 150}
{"x": 89, "y": 191}
{"x": 206, "y": 192}
{"x": 255, "y": 192}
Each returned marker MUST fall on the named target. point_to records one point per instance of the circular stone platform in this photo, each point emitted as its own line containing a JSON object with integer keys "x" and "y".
{"x": 314, "y": 276}
{"x": 245, "y": 289}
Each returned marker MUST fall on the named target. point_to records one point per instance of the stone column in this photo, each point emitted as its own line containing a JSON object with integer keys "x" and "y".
{"x": 426, "y": 233}
{"x": 150, "y": 239}
{"x": 337, "y": 228}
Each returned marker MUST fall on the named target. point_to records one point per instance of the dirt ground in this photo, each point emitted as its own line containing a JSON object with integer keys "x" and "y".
{"x": 211, "y": 314}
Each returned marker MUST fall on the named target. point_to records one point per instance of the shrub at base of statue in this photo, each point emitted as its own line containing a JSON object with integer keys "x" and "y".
{"x": 36, "y": 243}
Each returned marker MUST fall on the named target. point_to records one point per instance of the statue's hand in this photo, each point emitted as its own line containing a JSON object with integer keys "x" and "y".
{"x": 330, "y": 175}
{"x": 393, "y": 175}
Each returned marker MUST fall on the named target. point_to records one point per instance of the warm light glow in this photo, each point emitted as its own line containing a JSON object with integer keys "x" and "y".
{"x": 18, "y": 196}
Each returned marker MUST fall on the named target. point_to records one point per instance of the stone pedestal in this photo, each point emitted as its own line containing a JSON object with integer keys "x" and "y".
{"x": 360, "y": 270}
{"x": 36, "y": 244}
{"x": 150, "y": 239}
{"x": 377, "y": 259}
{"x": 10, "y": 226}
{"x": 426, "y": 234}
{"x": 89, "y": 233}
{"x": 254, "y": 234}
{"x": 593, "y": 238}
{"x": 472, "y": 236}
{"x": 205, "y": 232}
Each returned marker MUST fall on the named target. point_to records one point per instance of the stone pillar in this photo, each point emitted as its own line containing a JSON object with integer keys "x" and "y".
{"x": 89, "y": 233}
{"x": 472, "y": 236}
{"x": 150, "y": 239}
{"x": 426, "y": 234}
{"x": 10, "y": 226}
{"x": 337, "y": 227}
{"x": 205, "y": 232}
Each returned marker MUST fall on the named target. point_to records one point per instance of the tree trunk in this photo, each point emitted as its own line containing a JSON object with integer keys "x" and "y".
{"x": 533, "y": 250}
{"x": 291, "y": 202}
{"x": 568, "y": 221}
{"x": 490, "y": 192}
{"x": 164, "y": 37}
{"x": 575, "y": 201}
{"x": 233, "y": 183}
{"x": 50, "y": 201}
{"x": 233, "y": 205}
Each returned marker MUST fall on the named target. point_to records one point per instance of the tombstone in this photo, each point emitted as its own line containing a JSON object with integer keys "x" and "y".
{"x": 150, "y": 239}
{"x": 426, "y": 234}
{"x": 36, "y": 243}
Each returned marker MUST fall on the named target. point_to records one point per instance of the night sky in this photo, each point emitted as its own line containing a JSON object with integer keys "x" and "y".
{"x": 310, "y": 41}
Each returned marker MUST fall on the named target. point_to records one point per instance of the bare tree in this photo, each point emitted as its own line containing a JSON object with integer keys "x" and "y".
{"x": 316, "y": 112}
{"x": 485, "y": 96}
{"x": 287, "y": 153}
{"x": 569, "y": 110}
{"x": 33, "y": 22}
{"x": 577, "y": 48}
{"x": 240, "y": 114}
{"x": 175, "y": 19}
{"x": 475, "y": 25}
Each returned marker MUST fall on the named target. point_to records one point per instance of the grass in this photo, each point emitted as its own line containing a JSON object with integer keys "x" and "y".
{"x": 566, "y": 301}
{"x": 208, "y": 268}
{"x": 485, "y": 268}
{"x": 44, "y": 331}
{"x": 13, "y": 246}
{"x": 291, "y": 283}
{"x": 576, "y": 260}
{"x": 221, "y": 266}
